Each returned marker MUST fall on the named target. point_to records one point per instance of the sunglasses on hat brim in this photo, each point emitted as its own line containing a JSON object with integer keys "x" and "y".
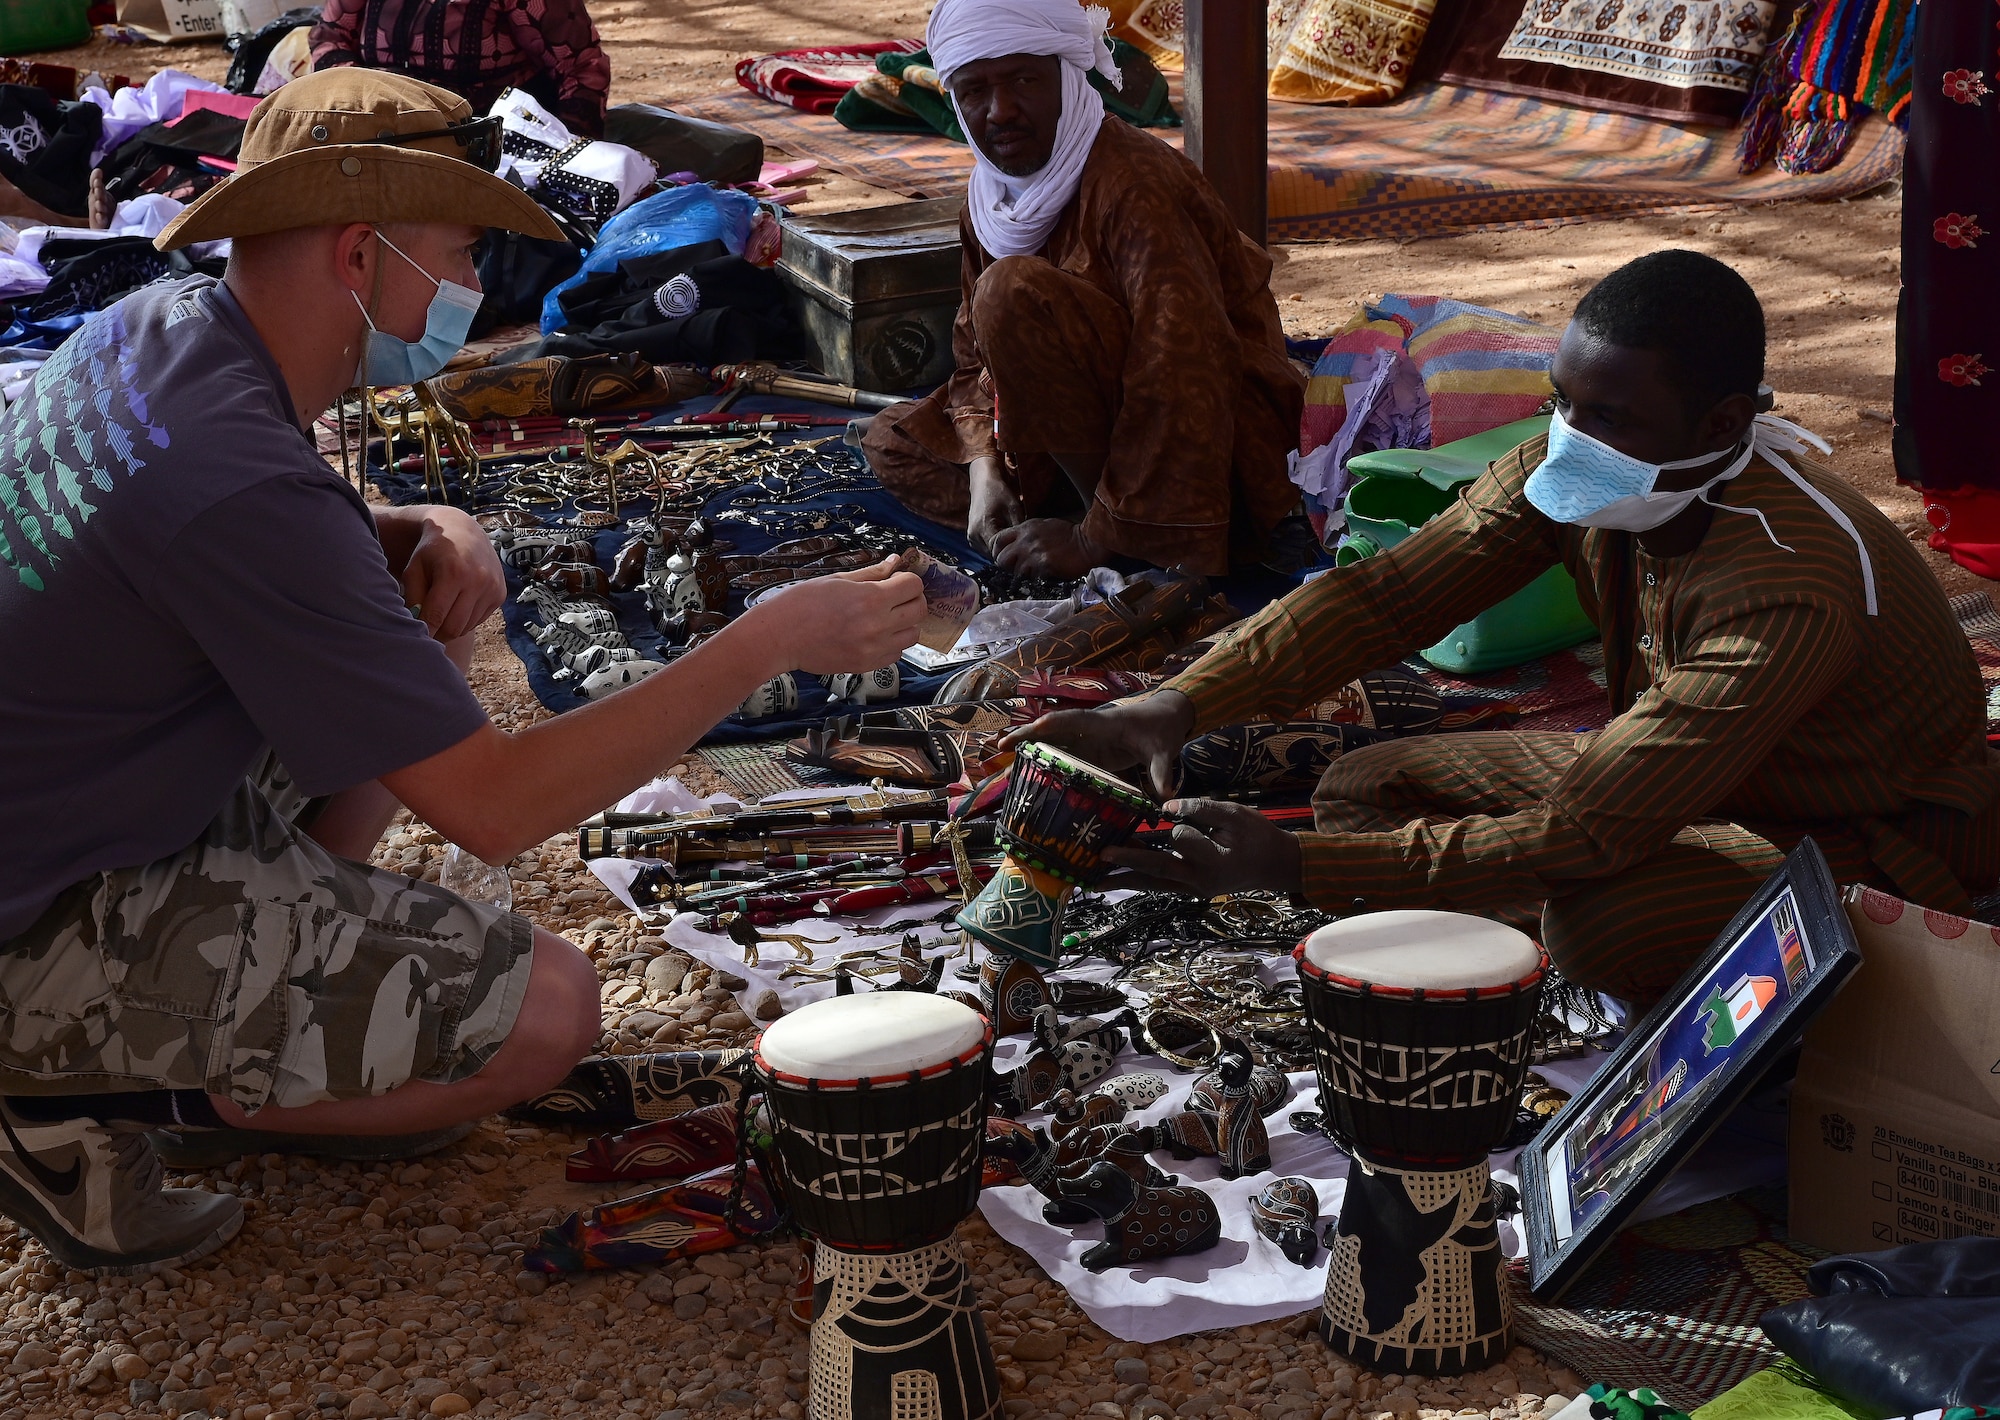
{"x": 479, "y": 137}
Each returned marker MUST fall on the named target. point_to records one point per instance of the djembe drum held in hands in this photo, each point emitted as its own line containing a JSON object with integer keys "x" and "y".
{"x": 878, "y": 1108}
{"x": 1059, "y": 816}
{"x": 1422, "y": 1028}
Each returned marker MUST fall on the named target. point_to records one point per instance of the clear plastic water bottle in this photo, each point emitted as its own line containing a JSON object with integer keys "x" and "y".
{"x": 476, "y": 881}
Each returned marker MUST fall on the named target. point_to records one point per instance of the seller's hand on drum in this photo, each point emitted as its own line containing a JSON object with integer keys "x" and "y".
{"x": 850, "y": 621}
{"x": 1146, "y": 732}
{"x": 1217, "y": 847}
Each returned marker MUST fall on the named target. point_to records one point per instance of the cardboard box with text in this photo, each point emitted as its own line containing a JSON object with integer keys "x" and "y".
{"x": 1895, "y": 1121}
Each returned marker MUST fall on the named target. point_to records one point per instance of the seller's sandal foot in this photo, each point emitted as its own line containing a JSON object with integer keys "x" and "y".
{"x": 90, "y": 1193}
{"x": 192, "y": 1148}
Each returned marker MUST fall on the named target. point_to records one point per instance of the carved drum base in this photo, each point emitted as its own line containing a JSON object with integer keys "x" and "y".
{"x": 898, "y": 1336}
{"x": 1413, "y": 1280}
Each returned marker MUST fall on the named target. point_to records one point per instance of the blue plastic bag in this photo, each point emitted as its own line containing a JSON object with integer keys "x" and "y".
{"x": 664, "y": 222}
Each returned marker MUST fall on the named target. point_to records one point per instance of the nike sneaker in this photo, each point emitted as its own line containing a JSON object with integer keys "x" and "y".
{"x": 90, "y": 1193}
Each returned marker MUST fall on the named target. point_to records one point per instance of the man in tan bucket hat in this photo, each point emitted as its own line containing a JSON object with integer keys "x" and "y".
{"x": 227, "y": 671}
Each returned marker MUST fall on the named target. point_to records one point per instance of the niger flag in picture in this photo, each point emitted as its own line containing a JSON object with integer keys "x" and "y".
{"x": 1731, "y": 1014}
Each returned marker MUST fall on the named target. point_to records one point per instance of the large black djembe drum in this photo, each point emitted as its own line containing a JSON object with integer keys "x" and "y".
{"x": 878, "y": 1106}
{"x": 1422, "y": 1025}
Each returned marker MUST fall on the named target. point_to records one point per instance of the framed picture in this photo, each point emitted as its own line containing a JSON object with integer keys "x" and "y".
{"x": 1684, "y": 1067}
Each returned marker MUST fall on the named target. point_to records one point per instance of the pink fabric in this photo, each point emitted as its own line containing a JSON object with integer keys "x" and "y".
{"x": 235, "y": 105}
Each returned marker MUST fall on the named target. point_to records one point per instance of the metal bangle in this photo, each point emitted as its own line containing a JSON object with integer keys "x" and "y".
{"x": 1186, "y": 1062}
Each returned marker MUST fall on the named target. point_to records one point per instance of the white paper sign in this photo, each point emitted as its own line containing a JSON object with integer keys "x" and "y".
{"x": 173, "y": 21}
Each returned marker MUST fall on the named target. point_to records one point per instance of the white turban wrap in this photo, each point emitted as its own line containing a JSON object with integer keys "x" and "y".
{"x": 1014, "y": 216}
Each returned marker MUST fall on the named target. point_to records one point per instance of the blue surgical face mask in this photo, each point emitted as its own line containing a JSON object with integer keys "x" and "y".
{"x": 1587, "y": 482}
{"x": 388, "y": 360}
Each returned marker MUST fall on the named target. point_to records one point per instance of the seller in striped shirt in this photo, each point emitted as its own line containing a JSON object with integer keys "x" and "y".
{"x": 1780, "y": 662}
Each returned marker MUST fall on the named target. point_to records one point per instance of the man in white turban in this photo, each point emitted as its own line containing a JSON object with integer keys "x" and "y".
{"x": 1122, "y": 391}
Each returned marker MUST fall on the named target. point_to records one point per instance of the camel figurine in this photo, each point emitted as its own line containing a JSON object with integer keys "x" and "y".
{"x": 1142, "y": 1222}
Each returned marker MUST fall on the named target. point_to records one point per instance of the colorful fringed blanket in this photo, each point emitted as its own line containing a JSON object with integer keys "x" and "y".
{"x": 1837, "y": 60}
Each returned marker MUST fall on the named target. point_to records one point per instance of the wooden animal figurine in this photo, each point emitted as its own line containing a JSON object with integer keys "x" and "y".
{"x": 1285, "y": 1211}
{"x": 1186, "y": 1135}
{"x": 1267, "y": 1083}
{"x": 1066, "y": 1057}
{"x": 628, "y": 568}
{"x": 1124, "y": 1147}
{"x": 1012, "y": 990}
{"x": 1239, "y": 1126}
{"x": 575, "y": 580}
{"x": 1142, "y": 1222}
{"x": 1042, "y": 1163}
{"x": 1072, "y": 1114}
{"x": 1135, "y": 1090}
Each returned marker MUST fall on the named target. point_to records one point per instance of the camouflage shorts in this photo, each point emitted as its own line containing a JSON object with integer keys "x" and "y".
{"x": 255, "y": 964}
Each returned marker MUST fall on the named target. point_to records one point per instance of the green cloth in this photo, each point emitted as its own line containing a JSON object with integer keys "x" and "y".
{"x": 936, "y": 115}
{"x": 1773, "y": 1395}
{"x": 1608, "y": 1403}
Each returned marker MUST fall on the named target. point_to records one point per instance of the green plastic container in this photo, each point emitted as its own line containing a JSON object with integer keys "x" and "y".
{"x": 29, "y": 25}
{"x": 1397, "y": 491}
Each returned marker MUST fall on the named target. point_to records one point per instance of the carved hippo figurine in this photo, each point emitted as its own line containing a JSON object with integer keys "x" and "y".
{"x": 1285, "y": 1211}
{"x": 1142, "y": 1222}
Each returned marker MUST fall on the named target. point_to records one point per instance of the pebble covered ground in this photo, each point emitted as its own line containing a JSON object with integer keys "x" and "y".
{"x": 367, "y": 1291}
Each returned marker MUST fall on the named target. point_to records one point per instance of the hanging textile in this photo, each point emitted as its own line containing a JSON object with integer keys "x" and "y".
{"x": 1837, "y": 60}
{"x": 1716, "y": 43}
{"x": 1947, "y": 433}
{"x": 1319, "y": 51}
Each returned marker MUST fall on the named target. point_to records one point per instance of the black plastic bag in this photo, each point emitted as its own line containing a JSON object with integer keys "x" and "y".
{"x": 517, "y": 272}
{"x": 253, "y": 51}
{"x": 713, "y": 152}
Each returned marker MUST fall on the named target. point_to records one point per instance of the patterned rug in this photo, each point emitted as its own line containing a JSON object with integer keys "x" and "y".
{"x": 1564, "y": 691}
{"x": 1444, "y": 159}
{"x": 1673, "y": 1303}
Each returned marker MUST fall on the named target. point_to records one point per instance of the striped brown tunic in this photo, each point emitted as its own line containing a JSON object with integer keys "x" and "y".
{"x": 1749, "y": 685}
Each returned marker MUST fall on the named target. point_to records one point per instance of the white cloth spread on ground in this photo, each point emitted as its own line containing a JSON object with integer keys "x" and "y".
{"x": 1013, "y": 216}
{"x": 1242, "y": 1280}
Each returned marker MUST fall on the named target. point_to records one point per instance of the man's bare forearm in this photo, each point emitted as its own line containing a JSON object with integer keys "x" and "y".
{"x": 496, "y": 794}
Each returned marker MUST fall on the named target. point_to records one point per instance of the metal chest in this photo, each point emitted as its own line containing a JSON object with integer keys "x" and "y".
{"x": 877, "y": 290}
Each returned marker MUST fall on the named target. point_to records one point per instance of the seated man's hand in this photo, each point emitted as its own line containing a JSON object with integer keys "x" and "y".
{"x": 1050, "y": 547}
{"x": 1217, "y": 848}
{"x": 1147, "y": 732}
{"x": 851, "y": 621}
{"x": 453, "y": 579}
{"x": 994, "y": 506}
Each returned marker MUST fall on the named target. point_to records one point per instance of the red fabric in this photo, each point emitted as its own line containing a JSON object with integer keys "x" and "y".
{"x": 1965, "y": 526}
{"x": 813, "y": 80}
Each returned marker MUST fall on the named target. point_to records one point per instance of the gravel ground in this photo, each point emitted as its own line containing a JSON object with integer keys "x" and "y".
{"x": 373, "y": 1291}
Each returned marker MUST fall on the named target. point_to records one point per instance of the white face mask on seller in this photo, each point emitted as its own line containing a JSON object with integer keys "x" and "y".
{"x": 1587, "y": 482}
